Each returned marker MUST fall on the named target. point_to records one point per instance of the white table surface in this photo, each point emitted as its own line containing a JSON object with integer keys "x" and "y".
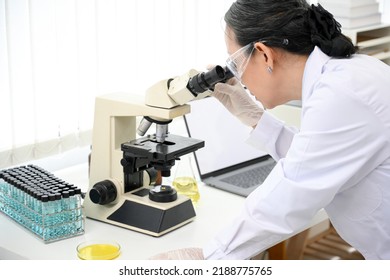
{"x": 215, "y": 210}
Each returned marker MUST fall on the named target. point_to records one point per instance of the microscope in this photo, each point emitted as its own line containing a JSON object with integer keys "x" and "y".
{"x": 125, "y": 171}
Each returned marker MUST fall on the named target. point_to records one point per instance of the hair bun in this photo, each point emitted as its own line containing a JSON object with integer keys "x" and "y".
{"x": 325, "y": 31}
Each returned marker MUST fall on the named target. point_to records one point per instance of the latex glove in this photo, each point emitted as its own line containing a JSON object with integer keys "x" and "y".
{"x": 180, "y": 254}
{"x": 237, "y": 100}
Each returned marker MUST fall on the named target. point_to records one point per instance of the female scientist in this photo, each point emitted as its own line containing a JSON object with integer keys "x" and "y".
{"x": 339, "y": 160}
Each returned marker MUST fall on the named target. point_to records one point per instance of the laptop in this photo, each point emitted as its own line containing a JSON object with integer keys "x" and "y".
{"x": 226, "y": 162}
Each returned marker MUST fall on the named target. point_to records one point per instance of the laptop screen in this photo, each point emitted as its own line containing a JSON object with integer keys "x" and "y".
{"x": 224, "y": 137}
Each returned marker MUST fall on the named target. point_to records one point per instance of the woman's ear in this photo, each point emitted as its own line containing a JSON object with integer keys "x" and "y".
{"x": 266, "y": 55}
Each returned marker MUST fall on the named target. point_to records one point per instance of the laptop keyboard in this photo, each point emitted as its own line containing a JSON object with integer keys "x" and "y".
{"x": 250, "y": 178}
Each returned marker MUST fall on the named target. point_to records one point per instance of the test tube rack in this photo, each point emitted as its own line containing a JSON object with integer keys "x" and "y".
{"x": 44, "y": 204}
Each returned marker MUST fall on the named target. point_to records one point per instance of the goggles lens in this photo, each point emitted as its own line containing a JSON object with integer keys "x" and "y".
{"x": 238, "y": 61}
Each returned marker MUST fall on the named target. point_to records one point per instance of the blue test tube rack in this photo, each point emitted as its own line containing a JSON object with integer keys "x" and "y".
{"x": 44, "y": 204}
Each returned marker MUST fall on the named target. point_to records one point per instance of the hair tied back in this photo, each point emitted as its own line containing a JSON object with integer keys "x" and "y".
{"x": 326, "y": 33}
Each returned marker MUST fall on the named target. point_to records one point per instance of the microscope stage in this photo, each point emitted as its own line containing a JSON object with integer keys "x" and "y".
{"x": 173, "y": 147}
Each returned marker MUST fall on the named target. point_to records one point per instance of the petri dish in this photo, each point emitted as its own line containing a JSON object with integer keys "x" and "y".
{"x": 98, "y": 250}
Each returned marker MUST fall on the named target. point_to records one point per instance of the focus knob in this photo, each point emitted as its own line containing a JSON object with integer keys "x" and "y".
{"x": 103, "y": 192}
{"x": 125, "y": 162}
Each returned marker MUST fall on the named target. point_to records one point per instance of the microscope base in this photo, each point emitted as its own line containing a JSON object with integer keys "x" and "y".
{"x": 139, "y": 213}
{"x": 150, "y": 220}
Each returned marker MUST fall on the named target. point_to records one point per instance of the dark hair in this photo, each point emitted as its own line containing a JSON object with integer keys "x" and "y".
{"x": 292, "y": 25}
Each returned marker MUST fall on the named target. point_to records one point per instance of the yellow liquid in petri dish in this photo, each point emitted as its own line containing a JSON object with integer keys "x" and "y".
{"x": 99, "y": 252}
{"x": 187, "y": 186}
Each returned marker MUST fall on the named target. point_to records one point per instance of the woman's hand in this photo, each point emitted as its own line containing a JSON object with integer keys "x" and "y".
{"x": 238, "y": 102}
{"x": 180, "y": 254}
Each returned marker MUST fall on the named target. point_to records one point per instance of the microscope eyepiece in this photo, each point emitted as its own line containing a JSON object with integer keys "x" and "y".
{"x": 207, "y": 80}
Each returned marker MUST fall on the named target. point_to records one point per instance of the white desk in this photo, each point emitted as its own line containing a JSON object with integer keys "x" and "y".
{"x": 215, "y": 210}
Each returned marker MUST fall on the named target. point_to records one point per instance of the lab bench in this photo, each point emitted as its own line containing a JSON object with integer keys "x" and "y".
{"x": 214, "y": 211}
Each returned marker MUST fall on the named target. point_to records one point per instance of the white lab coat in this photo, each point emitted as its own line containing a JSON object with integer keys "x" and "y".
{"x": 339, "y": 161}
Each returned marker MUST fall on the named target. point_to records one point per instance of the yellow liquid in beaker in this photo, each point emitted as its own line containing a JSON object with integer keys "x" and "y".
{"x": 187, "y": 186}
{"x": 99, "y": 252}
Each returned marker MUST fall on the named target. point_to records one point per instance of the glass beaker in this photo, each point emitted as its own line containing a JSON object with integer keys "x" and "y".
{"x": 184, "y": 180}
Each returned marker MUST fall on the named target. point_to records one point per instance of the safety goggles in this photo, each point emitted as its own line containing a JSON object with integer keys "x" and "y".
{"x": 239, "y": 60}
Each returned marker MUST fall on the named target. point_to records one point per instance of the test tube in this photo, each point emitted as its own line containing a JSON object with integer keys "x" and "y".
{"x": 34, "y": 198}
